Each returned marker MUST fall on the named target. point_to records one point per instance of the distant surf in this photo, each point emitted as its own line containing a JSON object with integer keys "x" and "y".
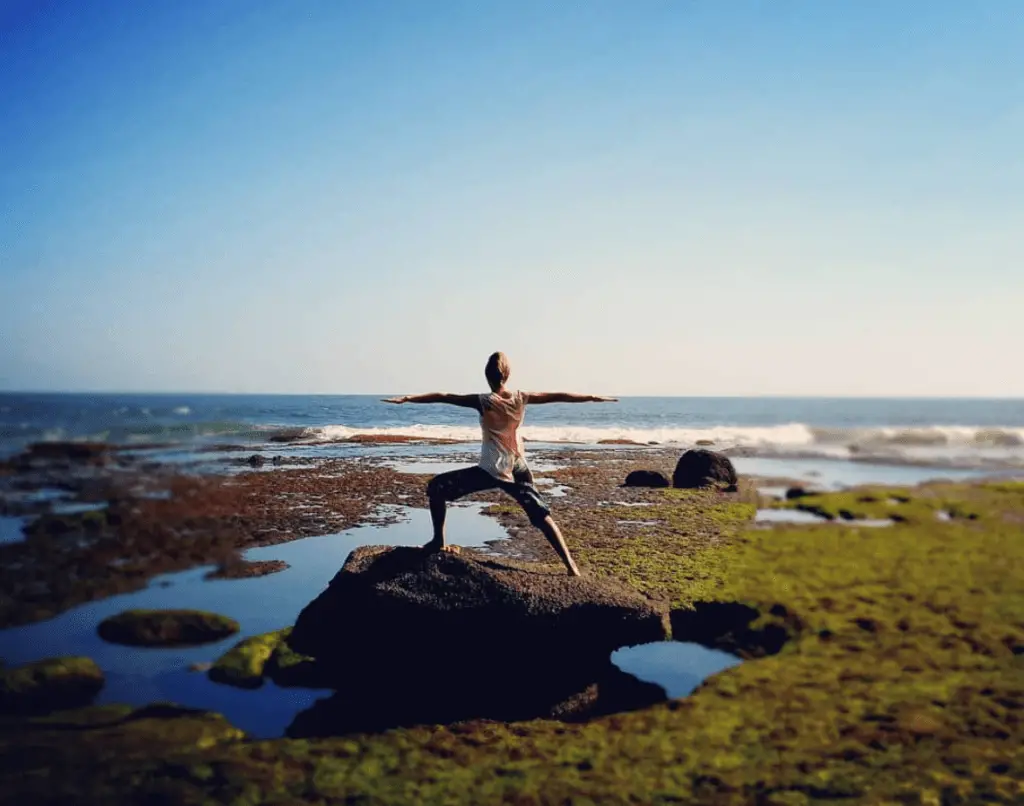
{"x": 969, "y": 433}
{"x": 964, "y": 445}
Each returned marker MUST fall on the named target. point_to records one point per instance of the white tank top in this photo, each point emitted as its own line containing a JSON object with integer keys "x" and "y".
{"x": 501, "y": 446}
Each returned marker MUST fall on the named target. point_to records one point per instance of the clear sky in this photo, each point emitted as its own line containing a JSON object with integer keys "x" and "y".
{"x": 628, "y": 197}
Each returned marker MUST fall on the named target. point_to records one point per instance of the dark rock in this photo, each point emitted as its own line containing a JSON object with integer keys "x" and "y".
{"x": 796, "y": 492}
{"x": 166, "y": 628}
{"x": 646, "y": 478}
{"x": 412, "y": 637}
{"x": 702, "y": 468}
{"x": 49, "y": 685}
{"x": 237, "y": 568}
{"x": 63, "y": 453}
{"x": 256, "y": 460}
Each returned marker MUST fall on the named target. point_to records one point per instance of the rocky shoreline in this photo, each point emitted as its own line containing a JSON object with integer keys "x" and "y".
{"x": 882, "y": 664}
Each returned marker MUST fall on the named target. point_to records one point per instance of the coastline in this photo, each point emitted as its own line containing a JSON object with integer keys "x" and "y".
{"x": 683, "y": 548}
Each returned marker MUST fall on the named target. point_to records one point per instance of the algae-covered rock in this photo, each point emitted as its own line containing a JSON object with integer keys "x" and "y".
{"x": 244, "y": 663}
{"x": 166, "y": 628}
{"x": 49, "y": 685}
{"x": 412, "y": 636}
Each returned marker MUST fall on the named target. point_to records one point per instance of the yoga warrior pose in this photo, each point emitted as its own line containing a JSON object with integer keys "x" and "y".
{"x": 502, "y": 456}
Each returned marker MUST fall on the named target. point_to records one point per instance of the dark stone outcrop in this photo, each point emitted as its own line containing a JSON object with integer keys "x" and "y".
{"x": 796, "y": 492}
{"x": 646, "y": 478}
{"x": 411, "y": 637}
{"x": 701, "y": 468}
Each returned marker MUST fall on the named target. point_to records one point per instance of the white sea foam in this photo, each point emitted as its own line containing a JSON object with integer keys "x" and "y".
{"x": 962, "y": 445}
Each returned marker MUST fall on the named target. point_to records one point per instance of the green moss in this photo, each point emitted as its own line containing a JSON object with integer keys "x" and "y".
{"x": 166, "y": 627}
{"x": 244, "y": 663}
{"x": 49, "y": 684}
{"x": 660, "y": 559}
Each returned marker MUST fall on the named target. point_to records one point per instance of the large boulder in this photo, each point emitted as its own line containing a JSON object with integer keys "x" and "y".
{"x": 702, "y": 468}
{"x": 407, "y": 636}
{"x": 646, "y": 478}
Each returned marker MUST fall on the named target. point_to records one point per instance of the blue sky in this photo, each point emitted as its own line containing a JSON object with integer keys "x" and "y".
{"x": 626, "y": 197}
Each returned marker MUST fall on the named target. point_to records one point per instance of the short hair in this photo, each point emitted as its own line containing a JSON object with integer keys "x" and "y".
{"x": 497, "y": 370}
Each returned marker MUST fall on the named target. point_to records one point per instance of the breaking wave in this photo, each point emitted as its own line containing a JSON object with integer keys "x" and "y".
{"x": 793, "y": 436}
{"x": 956, "y": 446}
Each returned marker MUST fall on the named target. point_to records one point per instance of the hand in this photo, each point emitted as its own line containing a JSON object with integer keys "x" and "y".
{"x": 605, "y": 399}
{"x": 394, "y": 400}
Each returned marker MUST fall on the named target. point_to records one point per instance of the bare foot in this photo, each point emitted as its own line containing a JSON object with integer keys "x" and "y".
{"x": 434, "y": 546}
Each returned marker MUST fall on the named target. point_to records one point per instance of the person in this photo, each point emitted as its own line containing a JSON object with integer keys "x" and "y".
{"x": 502, "y": 456}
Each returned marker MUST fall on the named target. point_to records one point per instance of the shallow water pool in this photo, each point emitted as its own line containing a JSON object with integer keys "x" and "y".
{"x": 677, "y": 666}
{"x": 12, "y": 529}
{"x": 137, "y": 676}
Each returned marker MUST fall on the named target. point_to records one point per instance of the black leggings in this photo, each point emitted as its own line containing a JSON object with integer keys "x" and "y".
{"x": 458, "y": 483}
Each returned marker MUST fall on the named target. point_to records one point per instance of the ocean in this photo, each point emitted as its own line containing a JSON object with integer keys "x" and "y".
{"x": 943, "y": 433}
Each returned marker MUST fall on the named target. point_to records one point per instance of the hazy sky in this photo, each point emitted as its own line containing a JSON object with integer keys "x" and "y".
{"x": 629, "y": 197}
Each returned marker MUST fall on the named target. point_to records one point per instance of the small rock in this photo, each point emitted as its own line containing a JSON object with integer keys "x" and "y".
{"x": 244, "y": 569}
{"x": 49, "y": 685}
{"x": 242, "y": 665}
{"x": 166, "y": 628}
{"x": 646, "y": 478}
{"x": 704, "y": 443}
{"x": 256, "y": 460}
{"x": 796, "y": 492}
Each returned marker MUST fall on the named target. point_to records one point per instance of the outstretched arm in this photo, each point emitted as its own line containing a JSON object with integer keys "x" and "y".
{"x": 567, "y": 397}
{"x": 466, "y": 401}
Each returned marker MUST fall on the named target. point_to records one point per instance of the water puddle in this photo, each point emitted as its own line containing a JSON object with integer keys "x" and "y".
{"x": 677, "y": 666}
{"x": 12, "y": 529}
{"x": 799, "y": 516}
{"x": 773, "y": 492}
{"x": 43, "y": 495}
{"x": 79, "y": 508}
{"x": 626, "y": 503}
{"x": 156, "y": 495}
{"x": 137, "y": 676}
{"x": 837, "y": 474}
{"x": 787, "y": 516}
{"x": 430, "y": 468}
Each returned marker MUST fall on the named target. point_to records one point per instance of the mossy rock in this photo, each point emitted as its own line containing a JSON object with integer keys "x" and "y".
{"x": 49, "y": 685}
{"x": 247, "y": 663}
{"x": 166, "y": 628}
{"x": 243, "y": 665}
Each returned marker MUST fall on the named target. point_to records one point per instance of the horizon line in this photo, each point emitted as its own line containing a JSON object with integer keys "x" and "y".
{"x": 773, "y": 396}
